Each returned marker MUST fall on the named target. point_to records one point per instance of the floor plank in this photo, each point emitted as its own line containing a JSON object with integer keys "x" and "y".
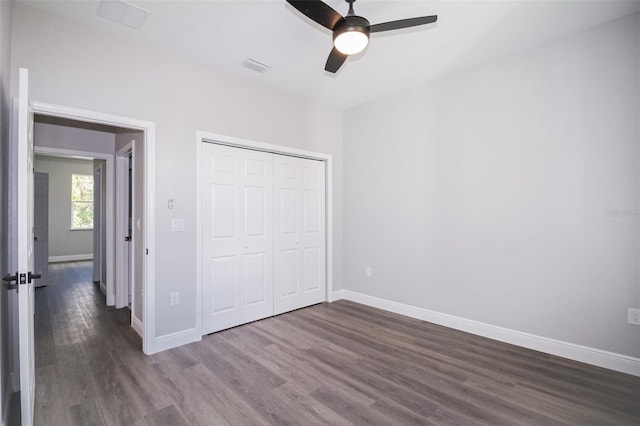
{"x": 340, "y": 363}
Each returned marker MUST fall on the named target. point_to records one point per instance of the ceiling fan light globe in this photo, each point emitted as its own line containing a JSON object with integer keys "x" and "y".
{"x": 351, "y": 42}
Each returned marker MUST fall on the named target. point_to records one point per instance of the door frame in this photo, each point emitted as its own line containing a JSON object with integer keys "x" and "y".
{"x": 207, "y": 137}
{"x": 122, "y": 224}
{"x": 148, "y": 128}
{"x": 109, "y": 198}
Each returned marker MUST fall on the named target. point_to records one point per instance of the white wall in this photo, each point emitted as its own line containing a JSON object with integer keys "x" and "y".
{"x": 5, "y": 331}
{"x": 62, "y": 240}
{"x": 76, "y": 66}
{"x": 509, "y": 193}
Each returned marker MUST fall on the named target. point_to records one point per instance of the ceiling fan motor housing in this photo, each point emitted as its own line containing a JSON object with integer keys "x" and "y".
{"x": 351, "y": 23}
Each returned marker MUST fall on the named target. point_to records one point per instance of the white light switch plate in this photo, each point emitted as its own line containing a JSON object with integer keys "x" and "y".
{"x": 177, "y": 225}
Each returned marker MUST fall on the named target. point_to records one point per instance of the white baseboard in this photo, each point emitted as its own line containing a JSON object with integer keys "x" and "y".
{"x": 136, "y": 324}
{"x": 336, "y": 295}
{"x": 173, "y": 340}
{"x": 588, "y": 355}
{"x": 71, "y": 258}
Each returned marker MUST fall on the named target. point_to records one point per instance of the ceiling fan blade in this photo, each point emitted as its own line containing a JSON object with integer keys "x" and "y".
{"x": 318, "y": 11}
{"x": 335, "y": 61}
{"x": 403, "y": 23}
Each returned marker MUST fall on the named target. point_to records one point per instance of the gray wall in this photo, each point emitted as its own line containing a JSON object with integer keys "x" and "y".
{"x": 507, "y": 193}
{"x": 62, "y": 240}
{"x": 111, "y": 75}
{"x": 5, "y": 331}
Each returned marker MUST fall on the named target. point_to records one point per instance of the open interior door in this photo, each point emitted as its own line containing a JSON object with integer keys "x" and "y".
{"x": 24, "y": 204}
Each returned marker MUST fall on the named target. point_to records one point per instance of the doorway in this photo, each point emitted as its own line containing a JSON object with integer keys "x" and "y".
{"x": 139, "y": 135}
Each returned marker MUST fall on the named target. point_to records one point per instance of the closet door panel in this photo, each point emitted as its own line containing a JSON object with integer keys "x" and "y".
{"x": 224, "y": 282}
{"x": 313, "y": 239}
{"x": 313, "y": 264}
{"x": 257, "y": 225}
{"x": 299, "y": 277}
{"x": 288, "y": 272}
{"x": 237, "y": 238}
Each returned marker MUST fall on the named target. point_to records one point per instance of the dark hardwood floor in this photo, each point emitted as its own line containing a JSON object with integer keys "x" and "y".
{"x": 339, "y": 363}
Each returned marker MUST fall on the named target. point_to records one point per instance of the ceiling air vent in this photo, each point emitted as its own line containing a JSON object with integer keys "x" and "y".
{"x": 252, "y": 64}
{"x": 123, "y": 13}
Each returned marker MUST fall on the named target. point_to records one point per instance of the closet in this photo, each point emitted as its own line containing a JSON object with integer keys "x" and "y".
{"x": 263, "y": 235}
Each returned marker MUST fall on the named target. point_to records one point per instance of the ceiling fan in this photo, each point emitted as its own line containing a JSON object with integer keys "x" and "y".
{"x": 351, "y": 32}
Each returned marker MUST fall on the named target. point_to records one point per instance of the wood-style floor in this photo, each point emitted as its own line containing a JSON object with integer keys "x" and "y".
{"x": 339, "y": 363}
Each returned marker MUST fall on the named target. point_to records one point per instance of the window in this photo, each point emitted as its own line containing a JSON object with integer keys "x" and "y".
{"x": 81, "y": 201}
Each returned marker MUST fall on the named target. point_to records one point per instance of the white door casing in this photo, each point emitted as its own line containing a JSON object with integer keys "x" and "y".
{"x": 150, "y": 342}
{"x": 237, "y": 254}
{"x": 41, "y": 227}
{"x": 24, "y": 205}
{"x": 299, "y": 233}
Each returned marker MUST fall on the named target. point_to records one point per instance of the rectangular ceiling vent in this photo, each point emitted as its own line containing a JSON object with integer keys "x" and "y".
{"x": 123, "y": 13}
{"x": 255, "y": 65}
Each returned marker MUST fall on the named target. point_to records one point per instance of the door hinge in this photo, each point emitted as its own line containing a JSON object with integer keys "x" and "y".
{"x": 146, "y": 251}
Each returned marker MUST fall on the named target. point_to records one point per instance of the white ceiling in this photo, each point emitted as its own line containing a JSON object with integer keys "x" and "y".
{"x": 223, "y": 34}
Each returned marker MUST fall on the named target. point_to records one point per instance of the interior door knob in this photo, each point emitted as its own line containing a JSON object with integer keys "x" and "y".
{"x": 8, "y": 279}
{"x": 31, "y": 276}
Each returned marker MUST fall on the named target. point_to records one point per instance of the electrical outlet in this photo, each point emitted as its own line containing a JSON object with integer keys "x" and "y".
{"x": 367, "y": 272}
{"x": 634, "y": 316}
{"x": 175, "y": 298}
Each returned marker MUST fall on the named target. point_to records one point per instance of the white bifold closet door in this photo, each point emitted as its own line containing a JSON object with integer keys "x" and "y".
{"x": 299, "y": 233}
{"x": 263, "y": 235}
{"x": 237, "y": 236}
